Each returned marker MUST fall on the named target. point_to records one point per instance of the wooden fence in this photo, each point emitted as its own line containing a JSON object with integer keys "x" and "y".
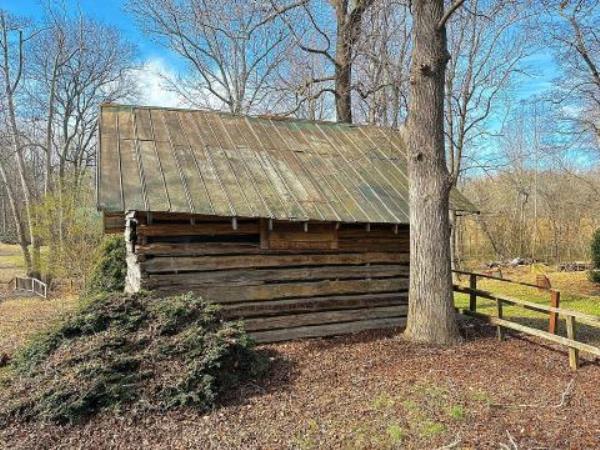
{"x": 32, "y": 285}
{"x": 554, "y": 313}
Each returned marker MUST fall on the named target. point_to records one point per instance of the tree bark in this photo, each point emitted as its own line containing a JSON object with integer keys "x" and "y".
{"x": 343, "y": 83}
{"x": 431, "y": 316}
{"x": 19, "y": 230}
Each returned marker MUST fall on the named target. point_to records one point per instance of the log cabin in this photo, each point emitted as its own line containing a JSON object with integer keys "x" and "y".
{"x": 299, "y": 228}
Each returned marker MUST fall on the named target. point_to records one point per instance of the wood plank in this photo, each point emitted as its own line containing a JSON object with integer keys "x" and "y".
{"x": 125, "y": 120}
{"x": 246, "y": 181}
{"x": 259, "y": 276}
{"x": 220, "y": 200}
{"x": 132, "y": 183}
{"x": 572, "y": 334}
{"x": 293, "y": 139}
{"x": 373, "y": 246}
{"x": 227, "y": 177}
{"x": 199, "y": 197}
{"x": 300, "y": 244}
{"x": 109, "y": 184}
{"x": 587, "y": 319}
{"x": 262, "y": 337}
{"x": 319, "y": 318}
{"x": 200, "y": 138}
{"x": 376, "y": 233}
{"x": 234, "y": 144}
{"x": 378, "y": 163}
{"x": 143, "y": 124}
{"x": 312, "y": 304}
{"x": 229, "y": 182}
{"x": 535, "y": 332}
{"x": 361, "y": 175}
{"x": 317, "y": 151}
{"x": 198, "y": 229}
{"x": 257, "y": 138}
{"x": 156, "y": 192}
{"x": 237, "y": 262}
{"x": 175, "y": 188}
{"x": 263, "y": 183}
{"x": 228, "y": 294}
{"x": 197, "y": 249}
{"x": 310, "y": 235}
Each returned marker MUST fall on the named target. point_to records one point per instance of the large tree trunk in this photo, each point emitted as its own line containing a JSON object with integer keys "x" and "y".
{"x": 431, "y": 316}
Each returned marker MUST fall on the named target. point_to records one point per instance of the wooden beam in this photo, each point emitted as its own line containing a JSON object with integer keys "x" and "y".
{"x": 573, "y": 352}
{"x": 553, "y": 316}
{"x": 250, "y": 276}
{"x": 319, "y": 318}
{"x": 586, "y": 319}
{"x": 212, "y": 262}
{"x": 312, "y": 304}
{"x": 326, "y": 330}
{"x": 231, "y": 294}
{"x": 567, "y": 342}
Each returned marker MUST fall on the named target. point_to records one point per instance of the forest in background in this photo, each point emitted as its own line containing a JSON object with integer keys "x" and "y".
{"x": 529, "y": 162}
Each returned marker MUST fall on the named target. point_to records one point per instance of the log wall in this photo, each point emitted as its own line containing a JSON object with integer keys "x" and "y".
{"x": 286, "y": 280}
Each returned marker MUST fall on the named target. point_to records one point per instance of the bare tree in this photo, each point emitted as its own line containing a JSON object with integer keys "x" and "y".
{"x": 489, "y": 44}
{"x": 571, "y": 28}
{"x": 431, "y": 316}
{"x": 336, "y": 45}
{"x": 382, "y": 64}
{"x": 233, "y": 49}
{"x": 12, "y": 67}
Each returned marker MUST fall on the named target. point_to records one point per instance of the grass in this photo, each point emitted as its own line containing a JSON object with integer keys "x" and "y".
{"x": 577, "y": 293}
{"x": 11, "y": 262}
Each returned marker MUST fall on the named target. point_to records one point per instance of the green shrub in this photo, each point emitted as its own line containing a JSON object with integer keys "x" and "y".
{"x": 120, "y": 350}
{"x": 109, "y": 271}
{"x": 594, "y": 274}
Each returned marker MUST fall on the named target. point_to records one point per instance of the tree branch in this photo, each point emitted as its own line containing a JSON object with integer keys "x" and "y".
{"x": 448, "y": 13}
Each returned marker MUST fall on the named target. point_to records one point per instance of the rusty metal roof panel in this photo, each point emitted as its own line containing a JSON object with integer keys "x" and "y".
{"x": 159, "y": 159}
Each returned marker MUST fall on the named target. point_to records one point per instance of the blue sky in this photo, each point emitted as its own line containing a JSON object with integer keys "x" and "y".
{"x": 159, "y": 59}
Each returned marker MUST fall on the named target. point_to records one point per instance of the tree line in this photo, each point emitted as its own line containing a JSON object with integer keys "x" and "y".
{"x": 348, "y": 60}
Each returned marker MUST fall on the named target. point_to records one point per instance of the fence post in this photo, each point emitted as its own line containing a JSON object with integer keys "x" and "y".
{"x": 553, "y": 319}
{"x": 499, "y": 332}
{"x": 572, "y": 334}
{"x": 472, "y": 294}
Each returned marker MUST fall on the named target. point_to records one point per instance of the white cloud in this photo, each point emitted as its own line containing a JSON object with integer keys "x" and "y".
{"x": 152, "y": 85}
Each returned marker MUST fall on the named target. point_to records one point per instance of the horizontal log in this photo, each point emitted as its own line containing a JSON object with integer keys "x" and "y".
{"x": 262, "y": 337}
{"x": 170, "y": 217}
{"x": 362, "y": 233}
{"x": 198, "y": 249}
{"x": 260, "y": 276}
{"x": 228, "y": 294}
{"x": 329, "y": 244}
{"x": 184, "y": 263}
{"x": 298, "y": 227}
{"x": 535, "y": 332}
{"x": 312, "y": 304}
{"x": 199, "y": 229}
{"x": 301, "y": 236}
{"x": 319, "y": 318}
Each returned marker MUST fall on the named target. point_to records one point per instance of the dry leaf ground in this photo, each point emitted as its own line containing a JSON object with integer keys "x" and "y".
{"x": 371, "y": 390}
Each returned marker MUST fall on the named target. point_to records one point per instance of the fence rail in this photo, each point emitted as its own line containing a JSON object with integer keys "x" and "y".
{"x": 554, "y": 311}
{"x": 32, "y": 285}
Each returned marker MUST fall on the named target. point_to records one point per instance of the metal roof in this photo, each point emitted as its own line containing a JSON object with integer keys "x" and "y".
{"x": 159, "y": 159}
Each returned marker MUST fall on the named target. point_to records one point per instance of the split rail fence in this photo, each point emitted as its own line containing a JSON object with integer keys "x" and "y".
{"x": 554, "y": 312}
